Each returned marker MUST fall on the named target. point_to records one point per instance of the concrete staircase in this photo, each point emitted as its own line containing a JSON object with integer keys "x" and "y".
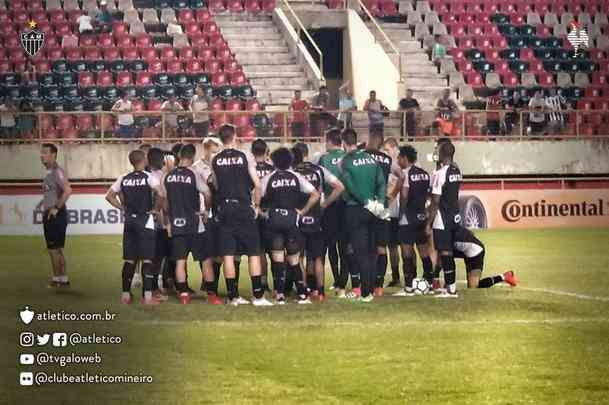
{"x": 267, "y": 62}
{"x": 420, "y": 74}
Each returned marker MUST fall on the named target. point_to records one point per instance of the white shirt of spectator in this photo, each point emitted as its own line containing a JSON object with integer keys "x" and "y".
{"x": 199, "y": 106}
{"x": 171, "y": 119}
{"x": 124, "y": 119}
{"x": 84, "y": 23}
{"x": 7, "y": 120}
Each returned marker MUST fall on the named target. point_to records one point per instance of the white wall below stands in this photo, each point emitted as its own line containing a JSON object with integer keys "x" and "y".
{"x": 97, "y": 161}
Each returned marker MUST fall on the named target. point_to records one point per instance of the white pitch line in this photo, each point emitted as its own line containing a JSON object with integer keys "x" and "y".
{"x": 554, "y": 292}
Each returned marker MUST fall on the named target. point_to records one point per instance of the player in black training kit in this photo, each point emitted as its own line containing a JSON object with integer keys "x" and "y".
{"x": 382, "y": 232}
{"x": 186, "y": 218}
{"x": 234, "y": 176}
{"x": 133, "y": 194}
{"x": 413, "y": 218}
{"x": 444, "y": 216}
{"x": 471, "y": 250}
{"x": 310, "y": 226}
{"x": 282, "y": 193}
{"x": 260, "y": 150}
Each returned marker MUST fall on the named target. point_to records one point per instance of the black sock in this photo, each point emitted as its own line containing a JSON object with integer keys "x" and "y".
{"x": 311, "y": 282}
{"x": 231, "y": 288}
{"x": 257, "y": 289}
{"x": 181, "y": 287}
{"x": 278, "y": 269}
{"x": 237, "y": 273}
{"x": 127, "y": 273}
{"x": 410, "y": 271}
{"x": 427, "y": 269}
{"x": 437, "y": 268}
{"x": 395, "y": 271}
{"x": 381, "y": 270}
{"x": 209, "y": 287}
{"x": 155, "y": 278}
{"x": 168, "y": 272}
{"x": 366, "y": 267}
{"x": 321, "y": 290}
{"x": 296, "y": 273}
{"x": 449, "y": 267}
{"x": 216, "y": 275}
{"x": 333, "y": 258}
{"x": 490, "y": 281}
{"x": 356, "y": 281}
{"x": 148, "y": 277}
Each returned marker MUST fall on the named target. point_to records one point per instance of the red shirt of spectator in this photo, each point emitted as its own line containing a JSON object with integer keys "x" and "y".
{"x": 299, "y": 108}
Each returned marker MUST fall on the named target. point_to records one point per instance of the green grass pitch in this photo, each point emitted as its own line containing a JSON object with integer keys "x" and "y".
{"x": 546, "y": 341}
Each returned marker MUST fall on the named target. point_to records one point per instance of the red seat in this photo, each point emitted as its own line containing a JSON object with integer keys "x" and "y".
{"x": 599, "y": 78}
{"x": 120, "y": 29}
{"x": 456, "y": 53}
{"x": 154, "y": 105}
{"x": 174, "y": 66}
{"x": 536, "y": 66}
{"x": 186, "y": 54}
{"x": 34, "y": 5}
{"x": 191, "y": 28}
{"x": 237, "y": 79}
{"x": 42, "y": 66}
{"x": 216, "y": 104}
{"x": 231, "y": 66}
{"x": 123, "y": 79}
{"x": 593, "y": 91}
{"x": 194, "y": 66}
{"x": 202, "y": 15}
{"x": 476, "y": 30}
{"x": 526, "y": 54}
{"x": 210, "y": 28}
{"x": 198, "y": 39}
{"x": 185, "y": 15}
{"x": 464, "y": 65}
{"x": 112, "y": 54}
{"x": 57, "y": 16}
{"x": 240, "y": 120}
{"x": 73, "y": 54}
{"x": 212, "y": 66}
{"x": 545, "y": 79}
{"x": 483, "y": 43}
{"x": 233, "y": 105}
{"x": 130, "y": 53}
{"x": 6, "y": 66}
{"x": 138, "y": 105}
{"x": 457, "y": 7}
{"x": 84, "y": 40}
{"x": 84, "y": 122}
{"x": 105, "y": 41}
{"x": 510, "y": 79}
{"x": 45, "y": 122}
{"x": 374, "y": 6}
{"x": 143, "y": 79}
{"x": 62, "y": 28}
{"x": 54, "y": 53}
{"x": 123, "y": 41}
{"x": 143, "y": 40}
{"x": 216, "y": 6}
{"x": 456, "y": 29}
{"x": 502, "y": 67}
{"x": 73, "y": 16}
{"x": 37, "y": 16}
{"x": 216, "y": 40}
{"x": 218, "y": 79}
{"x": 92, "y": 54}
{"x": 148, "y": 54}
{"x": 253, "y": 105}
{"x": 156, "y": 66}
{"x": 234, "y": 6}
{"x": 543, "y": 31}
{"x": 465, "y": 42}
{"x": 85, "y": 79}
{"x": 168, "y": 53}
{"x": 389, "y": 8}
{"x": 253, "y": 6}
{"x": 585, "y": 104}
{"x": 105, "y": 79}
{"x": 64, "y": 122}
{"x": 492, "y": 55}
{"x": 474, "y": 79}
{"x": 224, "y": 54}
{"x": 268, "y": 5}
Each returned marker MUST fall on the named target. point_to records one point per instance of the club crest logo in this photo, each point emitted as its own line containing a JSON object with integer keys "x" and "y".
{"x": 32, "y": 40}
{"x": 27, "y": 315}
{"x": 578, "y": 37}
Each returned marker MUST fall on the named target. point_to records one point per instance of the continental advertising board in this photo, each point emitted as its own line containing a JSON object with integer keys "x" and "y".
{"x": 538, "y": 208}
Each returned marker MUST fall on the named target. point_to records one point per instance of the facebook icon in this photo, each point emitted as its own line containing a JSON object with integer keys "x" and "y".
{"x": 60, "y": 339}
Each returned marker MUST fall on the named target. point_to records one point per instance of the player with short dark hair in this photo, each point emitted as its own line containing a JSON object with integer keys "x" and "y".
{"x": 234, "y": 177}
{"x": 444, "y": 216}
{"x": 382, "y": 232}
{"x": 310, "y": 225}
{"x": 132, "y": 193}
{"x": 392, "y": 148}
{"x": 186, "y": 217}
{"x": 332, "y": 217}
{"x": 413, "y": 218}
{"x": 56, "y": 191}
{"x": 471, "y": 250}
{"x": 282, "y": 192}
{"x": 365, "y": 188}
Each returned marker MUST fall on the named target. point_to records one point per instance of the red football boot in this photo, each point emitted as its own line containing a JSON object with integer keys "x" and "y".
{"x": 184, "y": 298}
{"x": 510, "y": 278}
{"x": 213, "y": 299}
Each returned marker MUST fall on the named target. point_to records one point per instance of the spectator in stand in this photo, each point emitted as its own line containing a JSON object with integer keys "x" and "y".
{"x": 8, "y": 125}
{"x": 346, "y": 103}
{"x": 409, "y": 106}
{"x": 321, "y": 119}
{"x": 29, "y": 73}
{"x": 299, "y": 109}
{"x": 438, "y": 51}
{"x": 171, "y": 107}
{"x": 447, "y": 113}
{"x": 555, "y": 103}
{"x": 69, "y": 41}
{"x": 375, "y": 110}
{"x": 26, "y": 122}
{"x": 104, "y": 18}
{"x": 494, "y": 104}
{"x": 537, "y": 117}
{"x": 125, "y": 120}
{"x": 199, "y": 107}
{"x": 515, "y": 104}
{"x": 85, "y": 24}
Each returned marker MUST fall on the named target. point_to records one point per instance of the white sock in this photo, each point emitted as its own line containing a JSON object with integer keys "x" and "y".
{"x": 147, "y": 295}
{"x": 63, "y": 279}
{"x": 57, "y": 279}
{"x": 126, "y": 294}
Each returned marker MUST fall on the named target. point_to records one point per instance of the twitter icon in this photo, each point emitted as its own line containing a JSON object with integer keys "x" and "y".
{"x": 43, "y": 340}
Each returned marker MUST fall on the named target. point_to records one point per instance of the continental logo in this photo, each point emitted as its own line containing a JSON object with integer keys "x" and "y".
{"x": 514, "y": 210}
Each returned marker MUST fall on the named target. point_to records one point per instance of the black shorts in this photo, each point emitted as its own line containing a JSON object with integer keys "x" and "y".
{"x": 203, "y": 245}
{"x": 281, "y": 231}
{"x": 237, "y": 230}
{"x": 313, "y": 245}
{"x": 183, "y": 245}
{"x": 413, "y": 232}
{"x": 55, "y": 229}
{"x": 382, "y": 232}
{"x": 444, "y": 239}
{"x": 162, "y": 248}
{"x": 360, "y": 226}
{"x": 332, "y": 223}
{"x": 471, "y": 263}
{"x": 394, "y": 232}
{"x": 139, "y": 242}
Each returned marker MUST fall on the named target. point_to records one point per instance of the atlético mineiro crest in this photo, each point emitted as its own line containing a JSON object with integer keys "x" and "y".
{"x": 32, "y": 40}
{"x": 578, "y": 37}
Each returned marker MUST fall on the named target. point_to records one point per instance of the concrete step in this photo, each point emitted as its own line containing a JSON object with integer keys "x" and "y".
{"x": 245, "y": 24}
{"x": 265, "y": 68}
{"x": 258, "y": 43}
{"x": 264, "y": 58}
{"x": 253, "y": 31}
{"x": 240, "y": 17}
{"x": 277, "y": 81}
{"x": 274, "y": 74}
{"x": 429, "y": 81}
{"x": 256, "y": 49}
{"x": 284, "y": 94}
{"x": 249, "y": 36}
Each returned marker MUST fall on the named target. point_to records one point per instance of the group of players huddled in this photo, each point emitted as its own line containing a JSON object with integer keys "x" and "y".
{"x": 355, "y": 203}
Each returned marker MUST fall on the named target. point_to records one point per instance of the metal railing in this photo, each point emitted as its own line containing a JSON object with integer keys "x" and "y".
{"x": 300, "y": 27}
{"x": 287, "y": 126}
{"x": 385, "y": 37}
